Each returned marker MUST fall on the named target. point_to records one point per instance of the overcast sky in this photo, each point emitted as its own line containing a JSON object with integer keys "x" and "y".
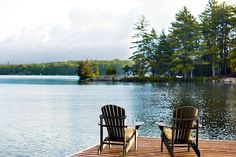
{"x": 35, "y": 31}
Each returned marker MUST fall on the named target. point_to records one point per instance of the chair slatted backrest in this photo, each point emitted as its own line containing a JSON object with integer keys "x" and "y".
{"x": 182, "y": 128}
{"x": 114, "y": 117}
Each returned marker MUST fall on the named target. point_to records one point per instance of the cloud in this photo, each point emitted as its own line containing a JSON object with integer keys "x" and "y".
{"x": 34, "y": 31}
{"x": 101, "y": 34}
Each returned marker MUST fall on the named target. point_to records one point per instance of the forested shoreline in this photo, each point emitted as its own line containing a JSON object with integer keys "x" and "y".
{"x": 63, "y": 68}
{"x": 193, "y": 47}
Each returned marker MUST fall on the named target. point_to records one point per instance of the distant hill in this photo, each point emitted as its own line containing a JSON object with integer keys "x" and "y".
{"x": 61, "y": 68}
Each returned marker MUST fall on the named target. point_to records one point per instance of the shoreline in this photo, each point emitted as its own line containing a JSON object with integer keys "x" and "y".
{"x": 148, "y": 79}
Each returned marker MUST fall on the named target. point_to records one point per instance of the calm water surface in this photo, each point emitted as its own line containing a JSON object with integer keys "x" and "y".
{"x": 45, "y": 116}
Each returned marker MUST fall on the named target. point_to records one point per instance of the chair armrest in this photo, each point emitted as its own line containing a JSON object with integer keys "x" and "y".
{"x": 115, "y": 126}
{"x": 162, "y": 124}
{"x": 136, "y": 125}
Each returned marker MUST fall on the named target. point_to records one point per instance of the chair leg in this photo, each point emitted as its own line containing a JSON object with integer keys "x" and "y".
{"x": 109, "y": 144}
{"x": 196, "y": 150}
{"x": 124, "y": 150}
{"x": 100, "y": 149}
{"x": 188, "y": 147}
{"x": 136, "y": 141}
{"x": 172, "y": 152}
{"x": 169, "y": 147}
{"x": 161, "y": 142}
{"x": 101, "y": 137}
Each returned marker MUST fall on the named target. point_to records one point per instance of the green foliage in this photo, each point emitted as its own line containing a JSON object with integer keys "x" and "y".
{"x": 63, "y": 68}
{"x": 85, "y": 70}
{"x": 56, "y": 68}
{"x": 164, "y": 55}
{"x": 167, "y": 79}
{"x": 217, "y": 27}
{"x": 185, "y": 37}
{"x": 110, "y": 70}
{"x": 232, "y": 55}
{"x": 96, "y": 71}
{"x": 192, "y": 48}
{"x": 150, "y": 79}
{"x": 141, "y": 47}
{"x": 232, "y": 60}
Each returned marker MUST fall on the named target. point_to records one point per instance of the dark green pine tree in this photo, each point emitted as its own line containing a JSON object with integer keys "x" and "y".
{"x": 164, "y": 55}
{"x": 141, "y": 44}
{"x": 209, "y": 37}
{"x": 232, "y": 55}
{"x": 232, "y": 59}
{"x": 152, "y": 51}
{"x": 185, "y": 39}
{"x": 217, "y": 27}
{"x": 225, "y": 25}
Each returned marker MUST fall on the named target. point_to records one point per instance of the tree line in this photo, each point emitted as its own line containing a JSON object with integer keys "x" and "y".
{"x": 88, "y": 70}
{"x": 65, "y": 68}
{"x": 203, "y": 47}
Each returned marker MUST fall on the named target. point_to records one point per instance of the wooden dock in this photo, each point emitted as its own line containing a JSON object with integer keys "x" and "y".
{"x": 150, "y": 147}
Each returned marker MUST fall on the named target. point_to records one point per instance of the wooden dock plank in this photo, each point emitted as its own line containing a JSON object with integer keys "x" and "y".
{"x": 150, "y": 147}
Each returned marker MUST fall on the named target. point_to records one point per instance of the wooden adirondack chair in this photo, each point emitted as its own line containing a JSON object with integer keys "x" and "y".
{"x": 113, "y": 118}
{"x": 179, "y": 134}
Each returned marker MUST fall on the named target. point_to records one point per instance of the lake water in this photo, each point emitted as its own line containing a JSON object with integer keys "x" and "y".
{"x": 54, "y": 116}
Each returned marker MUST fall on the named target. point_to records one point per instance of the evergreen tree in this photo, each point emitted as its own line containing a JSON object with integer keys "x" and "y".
{"x": 152, "y": 52}
{"x": 190, "y": 48}
{"x": 185, "y": 38}
{"x": 110, "y": 70}
{"x": 232, "y": 55}
{"x": 209, "y": 33}
{"x": 217, "y": 27}
{"x": 164, "y": 54}
{"x": 224, "y": 26}
{"x": 232, "y": 60}
{"x": 140, "y": 55}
